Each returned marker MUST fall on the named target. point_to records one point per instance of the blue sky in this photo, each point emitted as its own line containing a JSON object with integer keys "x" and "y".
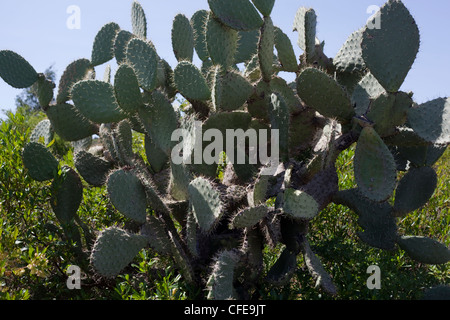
{"x": 38, "y": 31}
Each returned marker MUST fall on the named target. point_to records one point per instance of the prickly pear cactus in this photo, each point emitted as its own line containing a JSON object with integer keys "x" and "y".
{"x": 215, "y": 229}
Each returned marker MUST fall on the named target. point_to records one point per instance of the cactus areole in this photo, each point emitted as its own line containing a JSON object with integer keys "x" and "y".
{"x": 279, "y": 140}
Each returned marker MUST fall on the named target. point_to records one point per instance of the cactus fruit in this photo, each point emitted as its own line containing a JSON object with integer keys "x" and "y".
{"x": 215, "y": 224}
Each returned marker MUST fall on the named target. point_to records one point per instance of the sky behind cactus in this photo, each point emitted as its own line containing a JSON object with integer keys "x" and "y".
{"x": 38, "y": 31}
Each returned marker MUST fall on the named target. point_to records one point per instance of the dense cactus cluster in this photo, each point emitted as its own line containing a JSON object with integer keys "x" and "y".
{"x": 216, "y": 229}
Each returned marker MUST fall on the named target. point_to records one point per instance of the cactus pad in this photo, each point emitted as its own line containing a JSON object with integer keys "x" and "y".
{"x": 333, "y": 103}
{"x": 198, "y": 22}
{"x": 221, "y": 42}
{"x": 414, "y": 190}
{"x": 69, "y": 123}
{"x": 96, "y": 101}
{"x": 389, "y": 111}
{"x": 231, "y": 91}
{"x": 374, "y": 166}
{"x": 299, "y": 204}
{"x": 264, "y": 6}
{"x": 142, "y": 56}
{"x": 42, "y": 132}
{"x": 305, "y": 24}
{"x": 67, "y": 194}
{"x": 431, "y": 121}
{"x": 160, "y": 120}
{"x": 265, "y": 49}
{"x": 190, "y": 82}
{"x": 220, "y": 283}
{"x": 349, "y": 58}
{"x": 285, "y": 51}
{"x": 237, "y": 14}
{"x": 39, "y": 161}
{"x": 247, "y": 218}
{"x": 93, "y": 169}
{"x": 127, "y": 194}
{"x": 103, "y": 49}
{"x": 138, "y": 20}
{"x": 182, "y": 38}
{"x": 376, "y": 218}
{"x": 76, "y": 71}
{"x": 114, "y": 249}
{"x": 121, "y": 44}
{"x": 398, "y": 33}
{"x": 127, "y": 89}
{"x": 424, "y": 250}
{"x": 206, "y": 203}
{"x": 16, "y": 71}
